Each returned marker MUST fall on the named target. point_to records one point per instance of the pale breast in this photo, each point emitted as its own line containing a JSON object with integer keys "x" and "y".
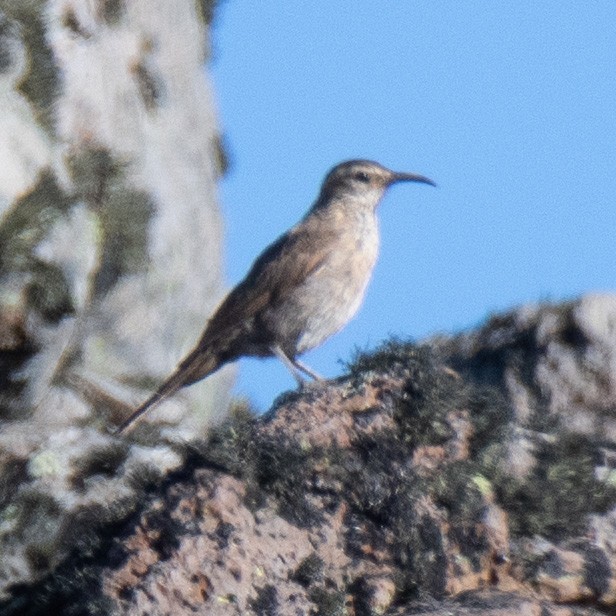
{"x": 332, "y": 294}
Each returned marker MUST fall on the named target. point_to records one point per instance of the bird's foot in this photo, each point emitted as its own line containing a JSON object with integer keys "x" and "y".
{"x": 307, "y": 370}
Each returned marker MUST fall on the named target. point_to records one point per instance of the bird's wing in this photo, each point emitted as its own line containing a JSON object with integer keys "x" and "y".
{"x": 281, "y": 267}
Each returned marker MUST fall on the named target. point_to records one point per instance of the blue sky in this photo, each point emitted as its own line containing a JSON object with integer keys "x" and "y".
{"x": 509, "y": 106}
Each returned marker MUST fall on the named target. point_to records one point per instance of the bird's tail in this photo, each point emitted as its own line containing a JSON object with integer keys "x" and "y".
{"x": 195, "y": 367}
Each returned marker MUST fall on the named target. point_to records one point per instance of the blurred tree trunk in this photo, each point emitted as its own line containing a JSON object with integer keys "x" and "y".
{"x": 110, "y": 233}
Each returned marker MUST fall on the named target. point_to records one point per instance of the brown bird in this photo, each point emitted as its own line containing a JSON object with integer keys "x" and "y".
{"x": 303, "y": 288}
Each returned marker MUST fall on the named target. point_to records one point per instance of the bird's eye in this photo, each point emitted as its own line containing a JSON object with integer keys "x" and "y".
{"x": 362, "y": 177}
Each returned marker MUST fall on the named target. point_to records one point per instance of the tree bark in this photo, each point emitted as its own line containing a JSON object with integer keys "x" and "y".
{"x": 110, "y": 231}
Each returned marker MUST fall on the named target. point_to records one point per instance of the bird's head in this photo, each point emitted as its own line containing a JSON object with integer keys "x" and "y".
{"x": 363, "y": 181}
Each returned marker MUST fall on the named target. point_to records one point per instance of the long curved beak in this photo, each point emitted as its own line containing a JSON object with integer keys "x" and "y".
{"x": 411, "y": 177}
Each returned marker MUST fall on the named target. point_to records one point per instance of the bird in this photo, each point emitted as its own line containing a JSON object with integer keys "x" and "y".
{"x": 302, "y": 289}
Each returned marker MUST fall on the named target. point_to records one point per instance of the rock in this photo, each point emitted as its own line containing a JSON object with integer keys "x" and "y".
{"x": 414, "y": 484}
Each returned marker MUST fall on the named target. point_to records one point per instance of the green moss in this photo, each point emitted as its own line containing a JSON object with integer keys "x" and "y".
{"x": 266, "y": 601}
{"x": 329, "y": 602}
{"x": 287, "y": 474}
{"x": 372, "y": 475}
{"x": 208, "y": 10}
{"x": 555, "y": 499}
{"x": 125, "y": 219}
{"x": 112, "y": 11}
{"x": 63, "y": 594}
{"x": 388, "y": 356}
{"x": 99, "y": 463}
{"x": 419, "y": 553}
{"x": 41, "y": 84}
{"x": 429, "y": 394}
{"x": 432, "y": 391}
{"x": 36, "y": 526}
{"x": 48, "y": 291}
{"x": 13, "y": 473}
{"x": 310, "y": 570}
{"x": 491, "y": 415}
{"x": 93, "y": 172}
{"x": 230, "y": 445}
{"x": 28, "y": 222}
{"x": 456, "y": 488}
{"x": 46, "y": 288}
{"x": 124, "y": 214}
{"x": 269, "y": 468}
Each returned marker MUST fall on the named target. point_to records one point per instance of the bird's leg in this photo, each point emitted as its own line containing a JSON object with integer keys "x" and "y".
{"x": 307, "y": 370}
{"x": 289, "y": 363}
{"x": 295, "y": 366}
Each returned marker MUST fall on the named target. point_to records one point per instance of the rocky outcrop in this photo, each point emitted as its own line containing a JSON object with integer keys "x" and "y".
{"x": 444, "y": 477}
